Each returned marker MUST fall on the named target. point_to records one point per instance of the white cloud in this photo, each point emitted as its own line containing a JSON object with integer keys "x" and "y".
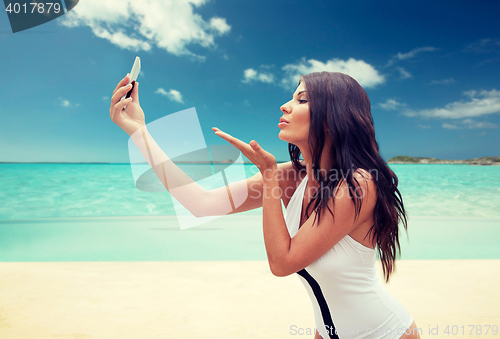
{"x": 220, "y": 25}
{"x": 469, "y": 124}
{"x": 173, "y": 94}
{"x": 479, "y": 103}
{"x": 403, "y": 73}
{"x": 364, "y": 73}
{"x": 392, "y": 104}
{"x": 411, "y": 54}
{"x": 67, "y": 103}
{"x": 121, "y": 39}
{"x": 250, "y": 75}
{"x": 414, "y": 52}
{"x": 171, "y": 25}
{"x": 484, "y": 46}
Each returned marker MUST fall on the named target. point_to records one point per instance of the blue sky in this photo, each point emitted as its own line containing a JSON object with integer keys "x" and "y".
{"x": 431, "y": 70}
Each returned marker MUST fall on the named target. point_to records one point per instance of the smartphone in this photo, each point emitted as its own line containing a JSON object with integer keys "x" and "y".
{"x": 133, "y": 76}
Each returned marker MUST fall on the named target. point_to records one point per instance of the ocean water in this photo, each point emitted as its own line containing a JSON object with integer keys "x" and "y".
{"x": 31, "y": 191}
{"x": 83, "y": 212}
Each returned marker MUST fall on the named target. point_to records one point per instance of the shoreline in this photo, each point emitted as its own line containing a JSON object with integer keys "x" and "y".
{"x": 230, "y": 238}
{"x": 443, "y": 163}
{"x": 450, "y": 162}
{"x": 483, "y": 161}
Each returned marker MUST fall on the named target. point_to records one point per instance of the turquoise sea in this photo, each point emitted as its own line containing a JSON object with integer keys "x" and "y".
{"x": 88, "y": 212}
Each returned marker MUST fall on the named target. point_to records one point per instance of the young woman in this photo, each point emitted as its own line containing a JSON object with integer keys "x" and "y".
{"x": 342, "y": 203}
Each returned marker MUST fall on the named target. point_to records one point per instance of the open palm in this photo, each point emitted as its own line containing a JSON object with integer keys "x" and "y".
{"x": 256, "y": 154}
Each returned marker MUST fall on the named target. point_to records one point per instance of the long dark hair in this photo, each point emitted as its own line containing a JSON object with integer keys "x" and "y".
{"x": 337, "y": 102}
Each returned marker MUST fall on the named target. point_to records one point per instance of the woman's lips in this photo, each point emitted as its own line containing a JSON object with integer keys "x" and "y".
{"x": 283, "y": 122}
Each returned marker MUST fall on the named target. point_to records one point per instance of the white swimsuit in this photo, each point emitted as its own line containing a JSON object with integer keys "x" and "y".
{"x": 348, "y": 298}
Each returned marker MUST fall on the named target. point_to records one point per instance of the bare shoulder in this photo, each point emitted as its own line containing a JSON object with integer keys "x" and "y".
{"x": 365, "y": 187}
{"x": 366, "y": 181}
{"x": 361, "y": 173}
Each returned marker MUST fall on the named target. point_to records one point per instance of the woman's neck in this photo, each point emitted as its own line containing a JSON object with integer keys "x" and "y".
{"x": 326, "y": 163}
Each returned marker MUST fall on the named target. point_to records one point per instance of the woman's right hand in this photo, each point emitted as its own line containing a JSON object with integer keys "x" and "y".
{"x": 132, "y": 118}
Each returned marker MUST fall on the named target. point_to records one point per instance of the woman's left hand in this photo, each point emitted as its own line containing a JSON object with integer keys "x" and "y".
{"x": 256, "y": 154}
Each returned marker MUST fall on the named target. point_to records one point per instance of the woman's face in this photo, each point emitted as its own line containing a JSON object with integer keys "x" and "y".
{"x": 296, "y": 114}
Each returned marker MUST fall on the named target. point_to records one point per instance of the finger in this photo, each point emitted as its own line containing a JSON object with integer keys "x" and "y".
{"x": 119, "y": 106}
{"x": 122, "y": 82}
{"x": 229, "y": 138}
{"x": 116, "y": 109}
{"x": 135, "y": 92}
{"x": 242, "y": 146}
{"x": 119, "y": 93}
{"x": 257, "y": 149}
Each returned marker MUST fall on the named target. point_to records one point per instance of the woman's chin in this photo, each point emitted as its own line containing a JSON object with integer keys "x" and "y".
{"x": 282, "y": 136}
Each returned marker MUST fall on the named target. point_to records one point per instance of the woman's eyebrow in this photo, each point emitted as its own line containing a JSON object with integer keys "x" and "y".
{"x": 301, "y": 92}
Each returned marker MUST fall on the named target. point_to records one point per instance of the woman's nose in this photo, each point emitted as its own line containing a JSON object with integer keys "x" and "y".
{"x": 285, "y": 108}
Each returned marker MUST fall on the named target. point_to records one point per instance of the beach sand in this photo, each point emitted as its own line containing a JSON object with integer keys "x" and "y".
{"x": 222, "y": 299}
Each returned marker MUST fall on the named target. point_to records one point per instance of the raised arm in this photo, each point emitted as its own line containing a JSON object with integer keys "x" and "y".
{"x": 192, "y": 196}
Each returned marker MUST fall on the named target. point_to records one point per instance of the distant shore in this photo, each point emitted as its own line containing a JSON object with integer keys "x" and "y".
{"x": 484, "y": 161}
{"x": 400, "y": 159}
{"x": 127, "y": 163}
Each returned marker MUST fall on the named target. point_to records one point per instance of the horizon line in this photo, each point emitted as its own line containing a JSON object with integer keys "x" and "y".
{"x": 122, "y": 163}
{"x": 204, "y": 162}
